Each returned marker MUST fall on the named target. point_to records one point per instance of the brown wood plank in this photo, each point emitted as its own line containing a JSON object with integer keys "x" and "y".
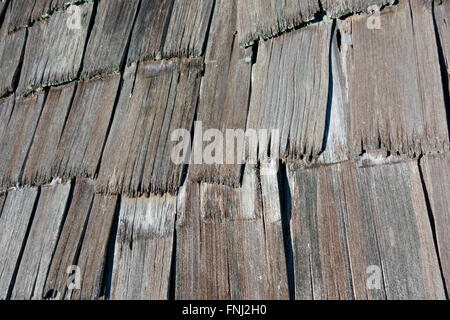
{"x": 18, "y": 136}
{"x": 290, "y": 90}
{"x": 107, "y": 44}
{"x": 48, "y": 134}
{"x": 84, "y": 134}
{"x": 224, "y": 97}
{"x": 338, "y": 8}
{"x": 442, "y": 18}
{"x": 137, "y": 156}
{"x": 394, "y": 87}
{"x": 54, "y": 51}
{"x": 41, "y": 242}
{"x": 227, "y": 246}
{"x": 436, "y": 173}
{"x": 14, "y": 219}
{"x": 143, "y": 250}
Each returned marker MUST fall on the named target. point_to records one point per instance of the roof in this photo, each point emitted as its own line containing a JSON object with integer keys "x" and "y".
{"x": 91, "y": 93}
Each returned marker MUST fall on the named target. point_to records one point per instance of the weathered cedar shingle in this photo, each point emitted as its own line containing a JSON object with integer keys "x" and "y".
{"x": 84, "y": 135}
{"x": 54, "y": 52}
{"x": 348, "y": 217}
{"x": 187, "y": 27}
{"x": 41, "y": 242}
{"x": 229, "y": 243}
{"x": 290, "y": 90}
{"x": 92, "y": 257}
{"x": 48, "y": 134}
{"x": 143, "y": 249}
{"x": 18, "y": 135}
{"x": 14, "y": 219}
{"x": 337, "y": 8}
{"x": 225, "y": 91}
{"x": 265, "y": 19}
{"x": 107, "y": 44}
{"x": 395, "y": 90}
{"x": 442, "y": 16}
{"x": 83, "y": 243}
{"x": 161, "y": 98}
{"x": 436, "y": 173}
{"x": 23, "y": 13}
{"x": 11, "y": 47}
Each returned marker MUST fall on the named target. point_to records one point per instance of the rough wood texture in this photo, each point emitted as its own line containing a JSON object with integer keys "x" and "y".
{"x": 48, "y": 135}
{"x": 186, "y": 31}
{"x": 54, "y": 51}
{"x": 69, "y": 242}
{"x": 159, "y": 99}
{"x": 18, "y": 136}
{"x": 228, "y": 245}
{"x": 395, "y": 90}
{"x": 106, "y": 49}
{"x": 290, "y": 90}
{"x": 225, "y": 92}
{"x": 442, "y": 18}
{"x": 347, "y": 217}
{"x": 338, "y": 8}
{"x": 143, "y": 249}
{"x": 263, "y": 20}
{"x": 84, "y": 134}
{"x": 11, "y": 48}
{"x": 92, "y": 258}
{"x": 14, "y": 220}
{"x": 436, "y": 173}
{"x": 41, "y": 242}
{"x": 24, "y": 13}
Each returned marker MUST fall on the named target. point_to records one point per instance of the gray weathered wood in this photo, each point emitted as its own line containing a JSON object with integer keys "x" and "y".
{"x": 54, "y": 51}
{"x": 160, "y": 99}
{"x": 228, "y": 243}
{"x": 14, "y": 220}
{"x": 107, "y": 44}
{"x": 338, "y": 8}
{"x": 442, "y": 18}
{"x": 143, "y": 249}
{"x": 11, "y": 48}
{"x": 18, "y": 136}
{"x": 48, "y": 134}
{"x": 348, "y": 217}
{"x": 225, "y": 92}
{"x": 84, "y": 134}
{"x": 41, "y": 242}
{"x": 436, "y": 173}
{"x": 92, "y": 257}
{"x": 395, "y": 90}
{"x": 263, "y": 20}
{"x": 290, "y": 90}
{"x": 69, "y": 241}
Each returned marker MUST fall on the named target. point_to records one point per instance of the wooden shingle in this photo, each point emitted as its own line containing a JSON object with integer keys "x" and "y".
{"x": 41, "y": 243}
{"x": 395, "y": 88}
{"x": 338, "y": 8}
{"x": 54, "y": 51}
{"x": 224, "y": 94}
{"x": 18, "y": 136}
{"x": 84, "y": 135}
{"x": 353, "y": 222}
{"x": 48, "y": 134}
{"x": 229, "y": 243}
{"x": 290, "y": 91}
{"x": 143, "y": 249}
{"x": 159, "y": 99}
{"x": 106, "y": 49}
{"x": 14, "y": 219}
